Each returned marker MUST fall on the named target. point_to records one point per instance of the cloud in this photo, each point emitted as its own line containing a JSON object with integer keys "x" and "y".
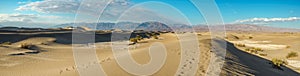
{"x": 91, "y": 8}
{"x": 25, "y": 17}
{"x": 28, "y": 19}
{"x": 22, "y": 2}
{"x": 267, "y": 20}
{"x": 138, "y": 14}
{"x": 68, "y": 6}
{"x": 16, "y": 17}
{"x": 51, "y": 6}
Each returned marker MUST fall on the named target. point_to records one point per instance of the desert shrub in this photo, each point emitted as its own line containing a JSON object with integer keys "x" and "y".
{"x": 44, "y": 43}
{"x": 250, "y": 37}
{"x": 26, "y": 46}
{"x": 292, "y": 54}
{"x": 148, "y": 35}
{"x": 139, "y": 38}
{"x": 154, "y": 36}
{"x": 247, "y": 49}
{"x": 262, "y": 54}
{"x": 134, "y": 40}
{"x": 258, "y": 49}
{"x": 288, "y": 46}
{"x": 277, "y": 63}
{"x": 241, "y": 45}
{"x": 254, "y": 50}
{"x": 6, "y": 43}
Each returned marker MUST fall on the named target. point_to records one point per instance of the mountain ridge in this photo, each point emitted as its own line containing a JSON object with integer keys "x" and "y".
{"x": 157, "y": 26}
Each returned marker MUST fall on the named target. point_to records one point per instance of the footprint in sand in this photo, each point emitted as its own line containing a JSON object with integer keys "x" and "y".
{"x": 73, "y": 67}
{"x": 178, "y": 53}
{"x": 106, "y": 60}
{"x": 67, "y": 69}
{"x": 61, "y": 71}
{"x": 84, "y": 66}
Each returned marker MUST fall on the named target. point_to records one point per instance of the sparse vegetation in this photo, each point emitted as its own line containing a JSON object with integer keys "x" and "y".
{"x": 258, "y": 49}
{"x": 139, "y": 38}
{"x": 278, "y": 62}
{"x": 263, "y": 54}
{"x": 5, "y": 43}
{"x": 44, "y": 43}
{"x": 241, "y": 45}
{"x": 247, "y": 49}
{"x": 288, "y": 46}
{"x": 148, "y": 35}
{"x": 154, "y": 36}
{"x": 292, "y": 54}
{"x": 26, "y": 46}
{"x": 254, "y": 50}
{"x": 250, "y": 37}
{"x": 133, "y": 40}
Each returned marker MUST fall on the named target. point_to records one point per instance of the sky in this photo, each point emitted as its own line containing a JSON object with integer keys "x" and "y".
{"x": 46, "y": 13}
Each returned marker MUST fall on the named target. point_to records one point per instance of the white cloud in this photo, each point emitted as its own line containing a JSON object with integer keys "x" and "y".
{"x": 16, "y": 17}
{"x": 90, "y": 8}
{"x": 22, "y": 2}
{"x": 28, "y": 20}
{"x": 69, "y": 6}
{"x": 25, "y": 17}
{"x": 266, "y": 20}
{"x": 51, "y": 6}
{"x": 138, "y": 14}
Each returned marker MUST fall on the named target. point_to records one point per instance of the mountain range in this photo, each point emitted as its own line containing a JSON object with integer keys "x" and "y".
{"x": 157, "y": 26}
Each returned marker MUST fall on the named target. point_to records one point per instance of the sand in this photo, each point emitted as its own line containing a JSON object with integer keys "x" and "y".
{"x": 261, "y": 44}
{"x": 57, "y": 58}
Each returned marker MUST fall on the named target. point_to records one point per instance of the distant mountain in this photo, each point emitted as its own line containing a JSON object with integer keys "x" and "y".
{"x": 246, "y": 27}
{"x": 88, "y": 25}
{"x": 153, "y": 26}
{"x": 126, "y": 25}
{"x": 259, "y": 28}
{"x": 157, "y": 26}
{"x": 101, "y": 26}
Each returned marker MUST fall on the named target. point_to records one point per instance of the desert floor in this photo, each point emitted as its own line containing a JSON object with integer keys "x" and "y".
{"x": 56, "y": 59}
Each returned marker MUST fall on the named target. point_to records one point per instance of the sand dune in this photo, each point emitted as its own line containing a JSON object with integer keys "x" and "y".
{"x": 57, "y": 58}
{"x": 242, "y": 63}
{"x": 294, "y": 63}
{"x": 261, "y": 44}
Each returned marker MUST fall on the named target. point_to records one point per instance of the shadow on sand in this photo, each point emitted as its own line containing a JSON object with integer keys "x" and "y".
{"x": 238, "y": 62}
{"x": 65, "y": 37}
